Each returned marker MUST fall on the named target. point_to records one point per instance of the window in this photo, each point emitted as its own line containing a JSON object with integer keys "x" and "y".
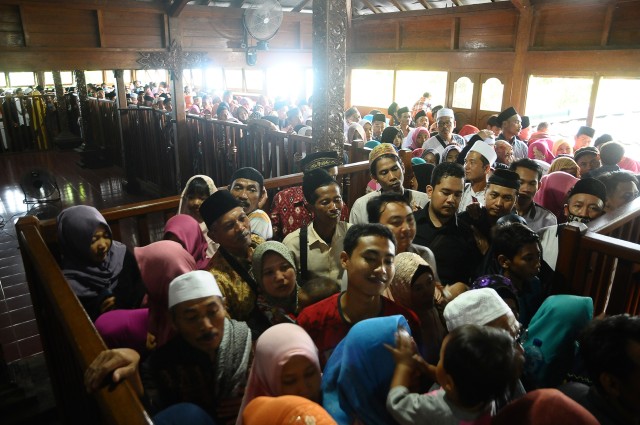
{"x": 562, "y": 102}
{"x": 22, "y": 79}
{"x": 233, "y": 79}
{"x": 193, "y": 78}
{"x": 411, "y": 85}
{"x": 463, "y": 93}
{"x": 309, "y": 83}
{"x": 65, "y": 76}
{"x": 617, "y": 105}
{"x": 254, "y": 79}
{"x": 3, "y": 79}
{"x": 372, "y": 87}
{"x": 492, "y": 91}
{"x": 152, "y": 75}
{"x": 126, "y": 76}
{"x": 286, "y": 82}
{"x": 94, "y": 77}
{"x": 213, "y": 79}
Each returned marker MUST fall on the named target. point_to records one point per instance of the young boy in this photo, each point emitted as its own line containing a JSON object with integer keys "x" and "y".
{"x": 478, "y": 364}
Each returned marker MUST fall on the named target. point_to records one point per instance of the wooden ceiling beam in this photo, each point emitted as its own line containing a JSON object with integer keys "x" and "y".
{"x": 426, "y": 4}
{"x": 176, "y": 7}
{"x": 298, "y": 7}
{"x": 456, "y": 2}
{"x": 399, "y": 6}
{"x": 371, "y": 7}
{"x": 237, "y": 3}
{"x": 521, "y": 4}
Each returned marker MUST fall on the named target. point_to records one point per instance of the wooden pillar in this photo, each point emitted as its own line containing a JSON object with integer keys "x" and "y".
{"x": 65, "y": 139}
{"x": 85, "y": 120}
{"x": 329, "y": 66}
{"x": 40, "y": 79}
{"x": 523, "y": 40}
{"x": 120, "y": 88}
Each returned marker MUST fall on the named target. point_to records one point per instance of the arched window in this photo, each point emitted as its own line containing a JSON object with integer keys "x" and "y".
{"x": 462, "y": 93}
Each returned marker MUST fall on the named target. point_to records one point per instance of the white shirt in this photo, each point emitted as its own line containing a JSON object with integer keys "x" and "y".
{"x": 434, "y": 143}
{"x": 359, "y": 210}
{"x": 467, "y": 197}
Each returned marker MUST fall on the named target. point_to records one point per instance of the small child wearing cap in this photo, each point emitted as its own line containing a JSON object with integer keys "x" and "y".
{"x": 478, "y": 364}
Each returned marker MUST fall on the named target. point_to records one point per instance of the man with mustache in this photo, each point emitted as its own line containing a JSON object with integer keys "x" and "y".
{"x": 229, "y": 226}
{"x": 387, "y": 169}
{"x": 368, "y": 259}
{"x": 438, "y": 228}
{"x": 200, "y": 374}
{"x": 537, "y": 216}
{"x": 585, "y": 202}
{"x": 247, "y": 185}
{"x": 317, "y": 246}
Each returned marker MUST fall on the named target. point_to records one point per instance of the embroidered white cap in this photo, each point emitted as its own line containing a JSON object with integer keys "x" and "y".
{"x": 478, "y": 306}
{"x": 191, "y": 286}
{"x": 444, "y": 112}
{"x": 485, "y": 150}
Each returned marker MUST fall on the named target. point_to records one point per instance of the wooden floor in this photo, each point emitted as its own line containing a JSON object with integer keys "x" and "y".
{"x": 101, "y": 188}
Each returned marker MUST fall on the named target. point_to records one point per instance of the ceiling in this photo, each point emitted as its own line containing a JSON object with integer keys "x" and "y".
{"x": 359, "y": 7}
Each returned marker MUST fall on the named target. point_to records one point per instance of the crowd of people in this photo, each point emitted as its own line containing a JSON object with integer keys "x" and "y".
{"x": 425, "y": 305}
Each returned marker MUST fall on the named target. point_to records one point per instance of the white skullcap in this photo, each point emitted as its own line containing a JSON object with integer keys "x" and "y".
{"x": 490, "y": 141}
{"x": 485, "y": 150}
{"x": 477, "y": 307}
{"x": 28, "y": 90}
{"x": 191, "y": 286}
{"x": 133, "y": 95}
{"x": 303, "y": 130}
{"x": 444, "y": 112}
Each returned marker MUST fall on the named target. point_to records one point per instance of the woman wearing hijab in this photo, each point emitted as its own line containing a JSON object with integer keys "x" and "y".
{"x": 285, "y": 410}
{"x": 414, "y": 287}
{"x": 160, "y": 263}
{"x": 280, "y": 298}
{"x": 392, "y": 135}
{"x": 553, "y": 192}
{"x": 416, "y": 138}
{"x": 197, "y": 189}
{"x": 102, "y": 272}
{"x": 357, "y": 377}
{"x": 356, "y": 132}
{"x": 285, "y": 362}
{"x": 367, "y": 126}
{"x": 451, "y": 153}
{"x": 540, "y": 151}
{"x": 566, "y": 164}
{"x": 562, "y": 147}
{"x": 557, "y": 324}
{"x": 185, "y": 230}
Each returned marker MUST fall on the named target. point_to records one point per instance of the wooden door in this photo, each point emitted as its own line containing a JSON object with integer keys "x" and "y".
{"x": 474, "y": 97}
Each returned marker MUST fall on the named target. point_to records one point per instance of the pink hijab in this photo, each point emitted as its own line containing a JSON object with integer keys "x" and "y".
{"x": 414, "y": 137}
{"x": 160, "y": 263}
{"x": 553, "y": 192}
{"x": 187, "y": 230}
{"x": 273, "y": 349}
{"x": 542, "y": 146}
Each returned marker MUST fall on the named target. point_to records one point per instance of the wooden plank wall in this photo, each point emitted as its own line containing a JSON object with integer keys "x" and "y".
{"x": 570, "y": 37}
{"x": 66, "y": 35}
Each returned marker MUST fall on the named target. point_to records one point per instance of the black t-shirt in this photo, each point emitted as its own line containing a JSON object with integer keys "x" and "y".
{"x": 453, "y": 245}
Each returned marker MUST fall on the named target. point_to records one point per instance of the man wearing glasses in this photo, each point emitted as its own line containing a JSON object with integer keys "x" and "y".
{"x": 446, "y": 123}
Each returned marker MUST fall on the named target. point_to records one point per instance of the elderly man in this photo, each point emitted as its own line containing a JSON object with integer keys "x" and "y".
{"x": 585, "y": 202}
{"x": 588, "y": 159}
{"x": 511, "y": 124}
{"x": 208, "y": 345}
{"x": 247, "y": 186}
{"x": 583, "y": 137}
{"x": 537, "y": 216}
{"x": 387, "y": 169}
{"x": 446, "y": 122}
{"x": 477, "y": 167}
{"x": 504, "y": 152}
{"x": 229, "y": 226}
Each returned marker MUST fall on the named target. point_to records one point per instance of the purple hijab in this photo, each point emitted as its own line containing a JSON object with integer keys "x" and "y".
{"x": 76, "y": 226}
{"x": 187, "y": 230}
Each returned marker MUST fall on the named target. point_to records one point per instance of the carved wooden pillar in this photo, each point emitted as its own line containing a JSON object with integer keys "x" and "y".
{"x": 85, "y": 120}
{"x": 121, "y": 90}
{"x": 65, "y": 139}
{"x": 329, "y": 66}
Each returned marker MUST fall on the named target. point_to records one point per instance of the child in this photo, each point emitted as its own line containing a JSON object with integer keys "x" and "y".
{"x": 477, "y": 365}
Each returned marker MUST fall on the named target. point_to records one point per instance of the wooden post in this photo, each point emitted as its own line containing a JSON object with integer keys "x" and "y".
{"x": 523, "y": 39}
{"x": 65, "y": 139}
{"x": 329, "y": 66}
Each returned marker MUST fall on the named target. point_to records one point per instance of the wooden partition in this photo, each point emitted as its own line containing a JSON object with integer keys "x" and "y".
{"x": 105, "y": 131}
{"x": 604, "y": 262}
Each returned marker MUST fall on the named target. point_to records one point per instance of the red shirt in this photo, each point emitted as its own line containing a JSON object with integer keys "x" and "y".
{"x": 326, "y": 325}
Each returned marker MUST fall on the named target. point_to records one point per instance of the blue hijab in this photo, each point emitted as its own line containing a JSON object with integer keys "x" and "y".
{"x": 557, "y": 324}
{"x": 357, "y": 377}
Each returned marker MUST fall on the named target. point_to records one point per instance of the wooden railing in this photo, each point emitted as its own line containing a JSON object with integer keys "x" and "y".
{"x": 604, "y": 262}
{"x": 104, "y": 128}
